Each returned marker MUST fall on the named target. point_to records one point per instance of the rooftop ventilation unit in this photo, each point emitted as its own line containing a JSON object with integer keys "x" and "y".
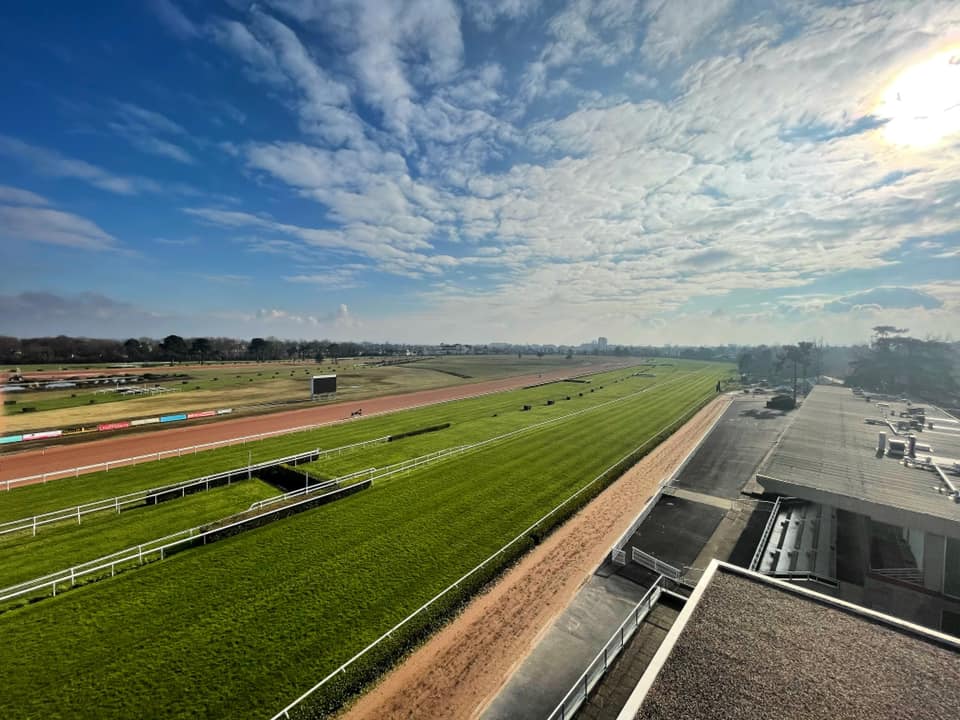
{"x": 951, "y": 486}
{"x": 896, "y": 447}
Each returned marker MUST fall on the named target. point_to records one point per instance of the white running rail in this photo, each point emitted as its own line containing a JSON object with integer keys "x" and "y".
{"x": 406, "y": 465}
{"x": 192, "y": 449}
{"x": 140, "y": 553}
{"x": 142, "y": 497}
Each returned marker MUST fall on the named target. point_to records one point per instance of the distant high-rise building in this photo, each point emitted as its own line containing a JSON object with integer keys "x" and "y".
{"x": 601, "y": 344}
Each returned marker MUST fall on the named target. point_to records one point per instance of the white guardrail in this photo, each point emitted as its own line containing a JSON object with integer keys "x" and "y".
{"x": 658, "y": 566}
{"x": 580, "y": 691}
{"x": 142, "y": 497}
{"x": 159, "y": 455}
{"x": 109, "y": 562}
{"x": 311, "y": 489}
{"x": 138, "y": 554}
{"x": 384, "y": 472}
{"x": 404, "y": 465}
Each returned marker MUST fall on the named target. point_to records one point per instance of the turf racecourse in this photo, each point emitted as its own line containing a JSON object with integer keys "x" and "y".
{"x": 241, "y": 627}
{"x": 252, "y": 386}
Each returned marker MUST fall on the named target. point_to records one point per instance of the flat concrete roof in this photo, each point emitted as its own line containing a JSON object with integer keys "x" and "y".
{"x": 746, "y": 646}
{"x": 828, "y": 454}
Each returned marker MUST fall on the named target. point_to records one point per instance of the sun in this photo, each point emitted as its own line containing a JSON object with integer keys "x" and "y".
{"x": 921, "y": 107}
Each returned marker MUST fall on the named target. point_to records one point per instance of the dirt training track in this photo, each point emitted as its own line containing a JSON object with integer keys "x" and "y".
{"x": 59, "y": 458}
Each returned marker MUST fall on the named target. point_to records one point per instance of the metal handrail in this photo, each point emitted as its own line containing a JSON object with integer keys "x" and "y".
{"x": 580, "y": 690}
{"x": 765, "y": 537}
{"x": 658, "y": 566}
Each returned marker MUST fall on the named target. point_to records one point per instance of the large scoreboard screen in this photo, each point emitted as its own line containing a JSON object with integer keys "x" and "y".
{"x": 323, "y": 384}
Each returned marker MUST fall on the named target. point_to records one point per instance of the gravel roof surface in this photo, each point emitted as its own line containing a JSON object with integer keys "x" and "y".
{"x": 750, "y": 650}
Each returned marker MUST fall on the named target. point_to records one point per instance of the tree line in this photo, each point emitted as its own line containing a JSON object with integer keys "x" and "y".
{"x": 897, "y": 363}
{"x": 174, "y": 348}
{"x": 892, "y": 362}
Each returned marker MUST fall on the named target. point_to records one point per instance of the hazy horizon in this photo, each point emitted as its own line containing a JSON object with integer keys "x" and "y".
{"x": 687, "y": 173}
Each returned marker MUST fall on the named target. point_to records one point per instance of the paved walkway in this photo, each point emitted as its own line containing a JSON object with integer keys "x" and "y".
{"x": 569, "y": 645}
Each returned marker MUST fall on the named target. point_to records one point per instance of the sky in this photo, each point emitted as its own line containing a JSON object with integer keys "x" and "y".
{"x": 685, "y": 172}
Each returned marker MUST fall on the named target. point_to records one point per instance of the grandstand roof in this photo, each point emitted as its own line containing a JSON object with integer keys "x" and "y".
{"x": 828, "y": 454}
{"x": 747, "y": 646}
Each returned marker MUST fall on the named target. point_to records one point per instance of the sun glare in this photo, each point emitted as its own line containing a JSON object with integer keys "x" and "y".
{"x": 922, "y": 105}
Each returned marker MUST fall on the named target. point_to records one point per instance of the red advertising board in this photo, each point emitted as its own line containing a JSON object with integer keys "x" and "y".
{"x": 114, "y": 425}
{"x": 201, "y": 414}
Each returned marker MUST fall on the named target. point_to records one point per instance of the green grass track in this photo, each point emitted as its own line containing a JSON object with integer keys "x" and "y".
{"x": 241, "y": 627}
{"x": 33, "y": 499}
{"x": 56, "y": 547}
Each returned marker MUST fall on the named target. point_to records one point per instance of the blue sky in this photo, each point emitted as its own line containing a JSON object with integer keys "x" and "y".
{"x": 692, "y": 171}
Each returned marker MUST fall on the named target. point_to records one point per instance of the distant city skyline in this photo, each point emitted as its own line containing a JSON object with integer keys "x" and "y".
{"x": 686, "y": 172}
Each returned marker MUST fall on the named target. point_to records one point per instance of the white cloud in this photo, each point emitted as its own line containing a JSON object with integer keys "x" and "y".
{"x": 53, "y": 164}
{"x": 392, "y": 46}
{"x": 604, "y": 32}
{"x": 227, "y": 278}
{"x": 274, "y": 54}
{"x": 753, "y": 168}
{"x": 16, "y": 196}
{"x": 340, "y": 278}
{"x": 487, "y": 13}
{"x": 29, "y": 223}
{"x": 275, "y": 318}
{"x": 345, "y": 320}
{"x": 141, "y": 127}
{"x": 173, "y": 18}
{"x": 674, "y": 26}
